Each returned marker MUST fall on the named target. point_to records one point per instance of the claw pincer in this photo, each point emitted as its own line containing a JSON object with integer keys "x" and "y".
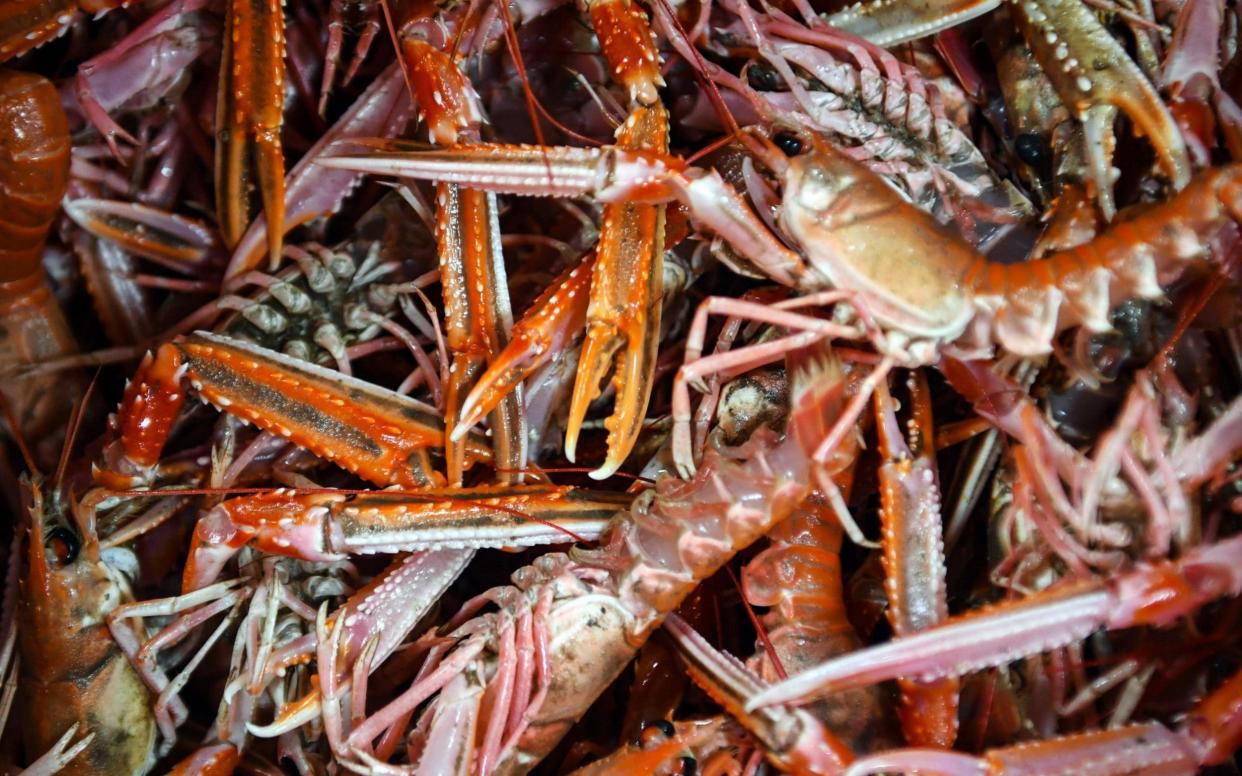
{"x": 372, "y": 432}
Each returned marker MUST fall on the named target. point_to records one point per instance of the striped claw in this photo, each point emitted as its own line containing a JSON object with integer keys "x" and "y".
{"x": 623, "y": 319}
{"x": 249, "y": 114}
{"x": 377, "y": 434}
{"x": 311, "y": 191}
{"x": 914, "y": 564}
{"x": 623, "y": 314}
{"x": 320, "y": 526}
{"x": 555, "y": 317}
{"x": 477, "y": 312}
{"x": 635, "y": 179}
{"x": 544, "y": 332}
{"x": 145, "y": 231}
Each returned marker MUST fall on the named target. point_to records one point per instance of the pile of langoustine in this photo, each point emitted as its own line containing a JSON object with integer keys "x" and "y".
{"x": 899, "y": 342}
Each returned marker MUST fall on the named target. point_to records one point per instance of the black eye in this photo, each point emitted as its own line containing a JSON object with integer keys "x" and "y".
{"x": 1032, "y": 149}
{"x": 762, "y": 77}
{"x": 688, "y": 766}
{"x": 655, "y": 732}
{"x": 63, "y": 545}
{"x": 791, "y": 144}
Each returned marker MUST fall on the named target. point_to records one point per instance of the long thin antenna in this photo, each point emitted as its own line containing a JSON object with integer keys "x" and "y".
{"x": 396, "y": 47}
{"x": 18, "y": 437}
{"x": 760, "y": 631}
{"x": 75, "y": 424}
{"x": 699, "y": 67}
{"x": 531, "y": 103}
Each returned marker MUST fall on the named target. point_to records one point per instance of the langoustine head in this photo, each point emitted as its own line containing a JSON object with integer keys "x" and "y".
{"x": 72, "y": 671}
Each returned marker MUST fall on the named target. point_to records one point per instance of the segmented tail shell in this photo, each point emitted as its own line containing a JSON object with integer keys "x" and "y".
{"x": 1023, "y": 306}
{"x": 34, "y": 170}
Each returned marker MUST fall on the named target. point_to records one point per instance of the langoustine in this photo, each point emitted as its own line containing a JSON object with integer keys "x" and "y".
{"x": 345, "y": 654}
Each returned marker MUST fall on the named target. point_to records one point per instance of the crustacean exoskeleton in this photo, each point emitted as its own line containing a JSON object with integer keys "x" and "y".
{"x": 74, "y": 681}
{"x": 872, "y": 106}
{"x": 382, "y": 109}
{"x": 862, "y": 243}
{"x": 1090, "y": 70}
{"x": 25, "y": 24}
{"x": 250, "y": 107}
{"x": 1155, "y": 593}
{"x": 625, "y": 269}
{"x": 334, "y": 508}
{"x": 797, "y": 743}
{"x": 377, "y": 434}
{"x": 570, "y": 623}
{"x": 345, "y": 15}
{"x": 34, "y": 171}
{"x": 249, "y": 116}
{"x": 477, "y": 311}
{"x": 799, "y": 575}
{"x": 73, "y": 675}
